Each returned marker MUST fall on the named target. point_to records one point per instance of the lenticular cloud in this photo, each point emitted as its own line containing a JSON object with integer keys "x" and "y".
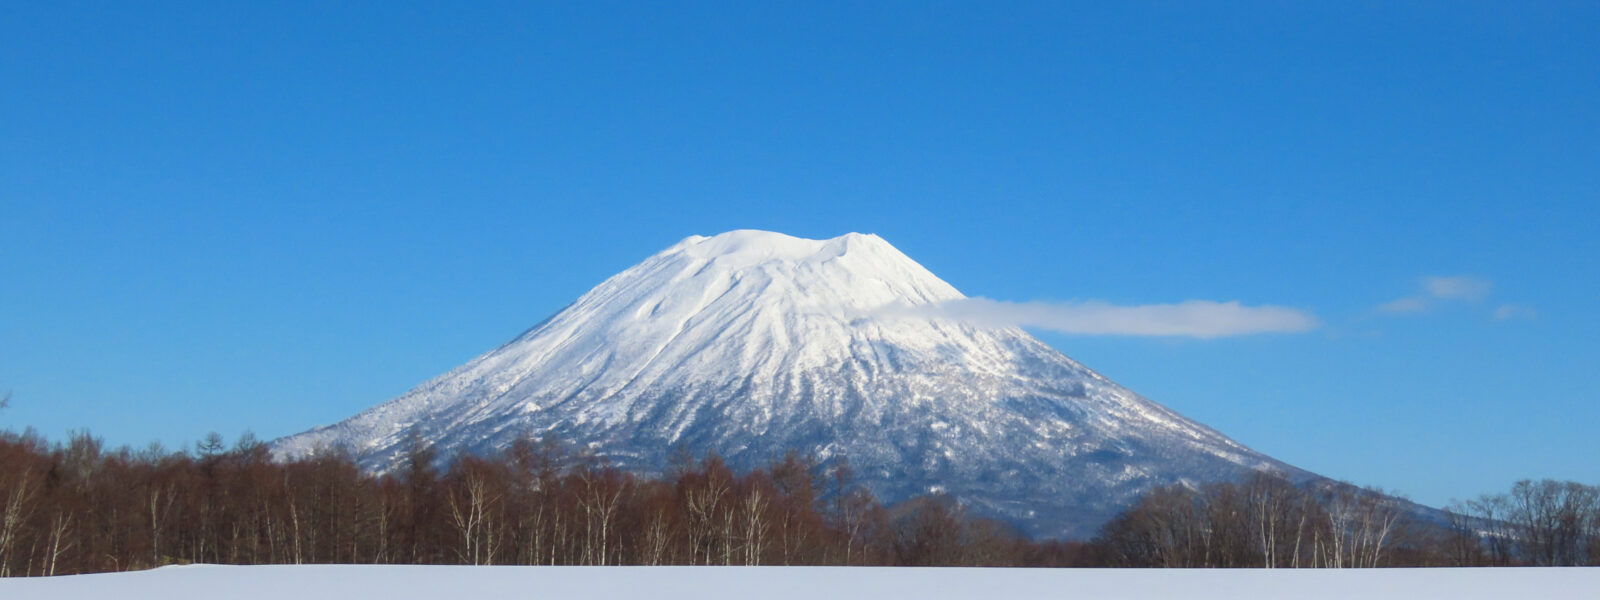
{"x": 1191, "y": 318}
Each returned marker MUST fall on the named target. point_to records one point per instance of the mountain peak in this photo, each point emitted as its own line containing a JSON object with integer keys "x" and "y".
{"x": 850, "y": 275}
{"x": 750, "y": 343}
{"x": 756, "y": 246}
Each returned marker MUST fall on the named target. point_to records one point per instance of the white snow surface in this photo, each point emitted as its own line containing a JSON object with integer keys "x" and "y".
{"x": 344, "y": 582}
{"x": 751, "y": 343}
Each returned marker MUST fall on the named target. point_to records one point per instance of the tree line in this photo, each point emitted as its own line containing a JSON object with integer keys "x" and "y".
{"x": 1545, "y": 523}
{"x": 1266, "y": 522}
{"x": 78, "y": 507}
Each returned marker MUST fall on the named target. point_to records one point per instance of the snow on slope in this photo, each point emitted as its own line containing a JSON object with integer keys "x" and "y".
{"x": 344, "y": 582}
{"x": 749, "y": 343}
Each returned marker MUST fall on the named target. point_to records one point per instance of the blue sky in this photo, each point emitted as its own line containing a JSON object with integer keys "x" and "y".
{"x": 224, "y": 217}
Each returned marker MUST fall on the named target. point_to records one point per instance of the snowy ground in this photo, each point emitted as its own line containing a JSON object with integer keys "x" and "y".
{"x": 313, "y": 582}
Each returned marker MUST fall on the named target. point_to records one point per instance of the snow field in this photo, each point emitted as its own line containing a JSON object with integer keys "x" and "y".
{"x": 386, "y": 582}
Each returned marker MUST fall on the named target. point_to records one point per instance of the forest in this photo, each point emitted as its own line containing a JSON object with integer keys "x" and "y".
{"x": 79, "y": 507}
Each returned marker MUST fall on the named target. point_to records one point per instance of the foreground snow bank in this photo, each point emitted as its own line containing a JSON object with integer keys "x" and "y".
{"x": 311, "y": 582}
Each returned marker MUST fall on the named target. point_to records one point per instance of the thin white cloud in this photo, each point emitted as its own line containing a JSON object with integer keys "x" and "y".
{"x": 1457, "y": 288}
{"x": 1192, "y": 318}
{"x": 1408, "y": 304}
{"x": 1436, "y": 289}
{"x": 1512, "y": 311}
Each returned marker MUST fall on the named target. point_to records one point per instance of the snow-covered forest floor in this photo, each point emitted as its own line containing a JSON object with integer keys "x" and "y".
{"x": 313, "y": 582}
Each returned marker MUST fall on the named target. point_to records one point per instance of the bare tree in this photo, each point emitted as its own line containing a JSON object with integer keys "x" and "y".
{"x": 473, "y": 497}
{"x": 599, "y": 494}
{"x": 1554, "y": 520}
{"x": 704, "y": 495}
{"x": 1361, "y": 523}
{"x": 753, "y": 518}
{"x": 19, "y": 491}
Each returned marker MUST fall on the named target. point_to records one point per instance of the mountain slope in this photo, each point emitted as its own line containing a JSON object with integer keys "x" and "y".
{"x": 750, "y": 343}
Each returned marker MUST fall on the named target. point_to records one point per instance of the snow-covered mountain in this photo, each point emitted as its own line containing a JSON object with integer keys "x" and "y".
{"x": 750, "y": 343}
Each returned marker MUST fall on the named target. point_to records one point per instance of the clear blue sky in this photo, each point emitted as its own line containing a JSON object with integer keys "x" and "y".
{"x": 231, "y": 216}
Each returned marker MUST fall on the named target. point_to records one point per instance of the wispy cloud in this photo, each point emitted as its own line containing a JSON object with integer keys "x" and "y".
{"x": 1192, "y": 318}
{"x": 1457, "y": 288}
{"x": 1512, "y": 311}
{"x": 1400, "y": 306}
{"x": 1438, "y": 289}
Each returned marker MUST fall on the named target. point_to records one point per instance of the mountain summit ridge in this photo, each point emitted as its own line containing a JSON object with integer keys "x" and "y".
{"x": 750, "y": 343}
